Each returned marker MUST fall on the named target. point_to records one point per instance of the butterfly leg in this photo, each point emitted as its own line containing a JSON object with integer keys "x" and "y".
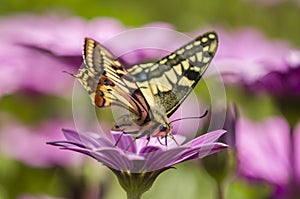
{"x": 119, "y": 138}
{"x": 129, "y": 145}
{"x": 161, "y": 142}
{"x": 166, "y": 140}
{"x": 148, "y": 140}
{"x": 173, "y": 138}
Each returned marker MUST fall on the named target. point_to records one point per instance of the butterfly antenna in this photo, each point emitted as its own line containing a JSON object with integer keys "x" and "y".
{"x": 185, "y": 118}
{"x": 129, "y": 145}
{"x": 173, "y": 138}
{"x": 69, "y": 73}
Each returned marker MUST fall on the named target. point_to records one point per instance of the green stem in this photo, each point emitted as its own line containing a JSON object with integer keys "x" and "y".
{"x": 133, "y": 196}
{"x": 220, "y": 191}
{"x": 135, "y": 184}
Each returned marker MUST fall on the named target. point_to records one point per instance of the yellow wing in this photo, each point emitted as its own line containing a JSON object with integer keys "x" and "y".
{"x": 169, "y": 81}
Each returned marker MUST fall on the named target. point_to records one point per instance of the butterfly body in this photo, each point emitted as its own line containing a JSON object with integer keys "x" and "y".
{"x": 147, "y": 94}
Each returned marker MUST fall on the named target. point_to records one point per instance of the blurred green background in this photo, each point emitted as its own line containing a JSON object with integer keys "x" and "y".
{"x": 280, "y": 21}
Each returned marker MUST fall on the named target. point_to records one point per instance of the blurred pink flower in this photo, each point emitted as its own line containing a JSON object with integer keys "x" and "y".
{"x": 27, "y": 69}
{"x": 266, "y": 152}
{"x": 249, "y": 59}
{"x": 282, "y": 84}
{"x": 60, "y": 35}
{"x": 246, "y": 55}
{"x": 28, "y": 144}
{"x": 36, "y": 49}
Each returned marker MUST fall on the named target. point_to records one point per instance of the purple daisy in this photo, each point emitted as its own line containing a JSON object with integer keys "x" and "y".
{"x": 137, "y": 163}
{"x": 139, "y": 155}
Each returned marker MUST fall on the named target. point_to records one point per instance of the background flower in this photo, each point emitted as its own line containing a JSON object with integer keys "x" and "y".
{"x": 43, "y": 50}
{"x": 266, "y": 152}
{"x": 27, "y": 144}
{"x": 272, "y": 68}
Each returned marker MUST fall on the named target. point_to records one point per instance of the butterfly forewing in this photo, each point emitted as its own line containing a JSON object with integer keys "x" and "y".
{"x": 172, "y": 78}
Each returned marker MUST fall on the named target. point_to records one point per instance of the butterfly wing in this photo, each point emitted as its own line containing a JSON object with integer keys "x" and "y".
{"x": 107, "y": 81}
{"x": 96, "y": 58}
{"x": 169, "y": 81}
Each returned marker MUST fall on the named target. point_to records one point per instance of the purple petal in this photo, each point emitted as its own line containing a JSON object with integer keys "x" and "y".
{"x": 200, "y": 152}
{"x": 110, "y": 157}
{"x": 160, "y": 159}
{"x": 263, "y": 149}
{"x": 114, "y": 157}
{"x": 66, "y": 144}
{"x": 206, "y": 138}
{"x": 85, "y": 139}
{"x": 208, "y": 149}
{"x": 71, "y": 135}
{"x": 125, "y": 142}
{"x": 80, "y": 150}
{"x": 149, "y": 149}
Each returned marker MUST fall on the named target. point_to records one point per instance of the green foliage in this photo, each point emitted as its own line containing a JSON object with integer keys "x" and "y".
{"x": 242, "y": 189}
{"x": 277, "y": 20}
{"x": 16, "y": 178}
{"x": 34, "y": 108}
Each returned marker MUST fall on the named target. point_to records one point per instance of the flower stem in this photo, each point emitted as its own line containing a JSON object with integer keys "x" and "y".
{"x": 136, "y": 184}
{"x": 220, "y": 191}
{"x": 133, "y": 196}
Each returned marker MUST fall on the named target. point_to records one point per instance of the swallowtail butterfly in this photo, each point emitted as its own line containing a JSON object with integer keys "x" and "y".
{"x": 149, "y": 93}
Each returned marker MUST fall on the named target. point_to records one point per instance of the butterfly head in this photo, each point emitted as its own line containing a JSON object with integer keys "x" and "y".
{"x": 165, "y": 130}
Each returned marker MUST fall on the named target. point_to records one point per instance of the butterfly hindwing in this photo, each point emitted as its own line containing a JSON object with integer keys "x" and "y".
{"x": 96, "y": 58}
